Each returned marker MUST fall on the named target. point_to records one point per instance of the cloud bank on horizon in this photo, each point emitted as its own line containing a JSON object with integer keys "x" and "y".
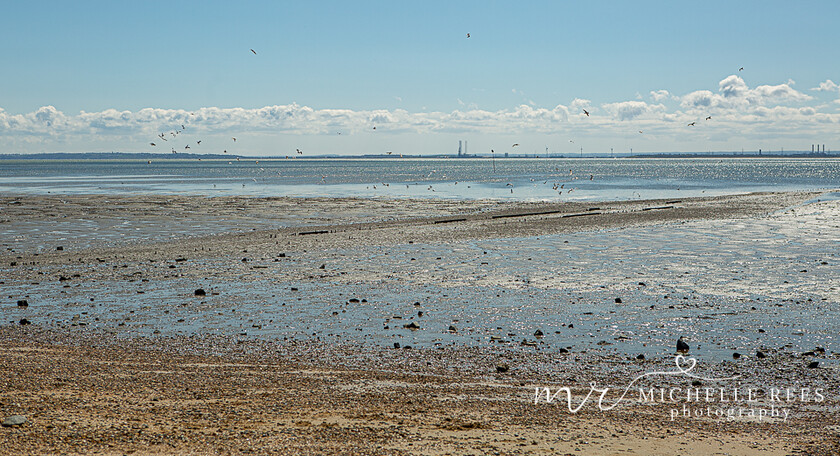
{"x": 775, "y": 113}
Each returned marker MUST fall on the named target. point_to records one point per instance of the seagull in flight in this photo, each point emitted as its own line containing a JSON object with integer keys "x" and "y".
{"x": 691, "y": 124}
{"x": 255, "y": 52}
{"x": 741, "y": 69}
{"x": 468, "y": 35}
{"x": 234, "y": 139}
{"x": 586, "y": 112}
{"x": 709, "y": 118}
{"x": 153, "y": 144}
{"x": 515, "y": 145}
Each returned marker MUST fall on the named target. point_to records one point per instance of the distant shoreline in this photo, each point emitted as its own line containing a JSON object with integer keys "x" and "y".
{"x": 187, "y": 156}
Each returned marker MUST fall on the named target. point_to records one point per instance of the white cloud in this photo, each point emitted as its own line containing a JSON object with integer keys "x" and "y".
{"x": 659, "y": 95}
{"x": 827, "y": 86}
{"x": 738, "y": 111}
{"x": 629, "y": 110}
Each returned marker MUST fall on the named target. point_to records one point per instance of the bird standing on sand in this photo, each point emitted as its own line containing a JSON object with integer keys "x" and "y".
{"x": 682, "y": 347}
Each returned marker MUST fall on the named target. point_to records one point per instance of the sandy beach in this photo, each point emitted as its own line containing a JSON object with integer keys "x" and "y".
{"x": 190, "y": 325}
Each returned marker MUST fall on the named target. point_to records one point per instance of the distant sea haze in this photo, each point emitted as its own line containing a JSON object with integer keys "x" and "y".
{"x": 553, "y": 179}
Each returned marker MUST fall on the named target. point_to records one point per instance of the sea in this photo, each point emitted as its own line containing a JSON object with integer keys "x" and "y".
{"x": 518, "y": 179}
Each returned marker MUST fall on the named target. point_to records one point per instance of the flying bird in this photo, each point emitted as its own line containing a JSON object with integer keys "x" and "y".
{"x": 691, "y": 124}
{"x": 153, "y": 144}
{"x": 198, "y": 142}
{"x": 586, "y": 112}
{"x": 234, "y": 139}
{"x": 468, "y": 35}
{"x": 515, "y": 145}
{"x": 640, "y": 131}
{"x": 741, "y": 69}
{"x": 255, "y": 52}
{"x": 709, "y": 118}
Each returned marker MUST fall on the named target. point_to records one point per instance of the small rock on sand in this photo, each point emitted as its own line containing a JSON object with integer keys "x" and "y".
{"x": 682, "y": 347}
{"x": 200, "y": 292}
{"x": 14, "y": 420}
{"x": 22, "y": 303}
{"x": 502, "y": 368}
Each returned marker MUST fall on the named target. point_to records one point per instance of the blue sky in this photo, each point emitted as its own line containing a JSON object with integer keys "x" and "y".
{"x": 101, "y": 76}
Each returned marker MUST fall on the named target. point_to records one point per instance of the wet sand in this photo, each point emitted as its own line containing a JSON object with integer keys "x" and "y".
{"x": 121, "y": 356}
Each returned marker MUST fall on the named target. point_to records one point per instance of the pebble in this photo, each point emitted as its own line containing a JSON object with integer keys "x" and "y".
{"x": 200, "y": 292}
{"x": 814, "y": 365}
{"x": 682, "y": 347}
{"x": 22, "y": 303}
{"x": 502, "y": 368}
{"x": 412, "y": 326}
{"x": 14, "y": 420}
{"x": 24, "y": 321}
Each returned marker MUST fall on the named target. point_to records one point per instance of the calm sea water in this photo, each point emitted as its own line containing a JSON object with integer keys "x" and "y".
{"x": 518, "y": 179}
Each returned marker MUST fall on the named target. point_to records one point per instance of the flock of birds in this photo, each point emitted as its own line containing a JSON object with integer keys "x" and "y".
{"x": 556, "y": 186}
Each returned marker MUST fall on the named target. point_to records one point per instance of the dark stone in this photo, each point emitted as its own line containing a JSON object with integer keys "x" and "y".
{"x": 14, "y": 420}
{"x": 682, "y": 347}
{"x": 760, "y": 354}
{"x": 323, "y": 266}
{"x": 420, "y": 313}
{"x": 696, "y": 383}
{"x": 640, "y": 357}
{"x": 502, "y": 368}
{"x": 562, "y": 350}
{"x": 538, "y": 333}
{"x": 59, "y": 248}
{"x": 814, "y": 365}
{"x": 200, "y": 292}
{"x": 453, "y": 328}
{"x": 396, "y": 345}
{"x": 412, "y": 326}
{"x": 736, "y": 355}
{"x": 24, "y": 321}
{"x": 618, "y": 300}
{"x": 571, "y": 325}
{"x": 22, "y": 303}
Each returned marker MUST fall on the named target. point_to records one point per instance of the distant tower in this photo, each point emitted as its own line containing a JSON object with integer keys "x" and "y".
{"x": 459, "y": 148}
{"x": 812, "y": 148}
{"x": 465, "y": 147}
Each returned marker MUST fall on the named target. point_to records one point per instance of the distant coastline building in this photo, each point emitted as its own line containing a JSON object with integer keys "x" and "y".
{"x": 462, "y": 151}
